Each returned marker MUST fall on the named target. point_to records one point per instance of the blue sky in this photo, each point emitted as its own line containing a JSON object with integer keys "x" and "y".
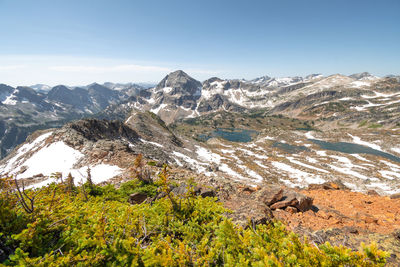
{"x": 82, "y": 41}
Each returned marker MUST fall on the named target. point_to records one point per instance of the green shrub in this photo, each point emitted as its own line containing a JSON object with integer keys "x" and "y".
{"x": 103, "y": 229}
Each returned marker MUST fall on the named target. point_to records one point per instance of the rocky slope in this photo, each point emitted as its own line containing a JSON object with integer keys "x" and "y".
{"x": 330, "y": 100}
{"x": 24, "y": 109}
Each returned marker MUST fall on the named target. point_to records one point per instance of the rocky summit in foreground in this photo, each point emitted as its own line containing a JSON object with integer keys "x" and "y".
{"x": 320, "y": 154}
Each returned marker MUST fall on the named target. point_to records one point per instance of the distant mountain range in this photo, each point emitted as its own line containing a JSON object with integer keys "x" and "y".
{"x": 26, "y": 109}
{"x": 177, "y": 96}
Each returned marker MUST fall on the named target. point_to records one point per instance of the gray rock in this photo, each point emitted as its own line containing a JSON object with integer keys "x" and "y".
{"x": 137, "y": 198}
{"x": 205, "y": 192}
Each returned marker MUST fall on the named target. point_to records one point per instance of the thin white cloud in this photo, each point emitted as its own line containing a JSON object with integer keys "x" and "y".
{"x": 12, "y": 67}
{"x": 103, "y": 69}
{"x": 75, "y": 70}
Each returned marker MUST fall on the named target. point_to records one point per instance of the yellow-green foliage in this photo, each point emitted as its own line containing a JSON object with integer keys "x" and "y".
{"x": 103, "y": 229}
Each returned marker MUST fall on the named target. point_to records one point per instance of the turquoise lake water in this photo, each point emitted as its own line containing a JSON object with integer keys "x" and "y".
{"x": 290, "y": 148}
{"x": 231, "y": 134}
{"x": 351, "y": 148}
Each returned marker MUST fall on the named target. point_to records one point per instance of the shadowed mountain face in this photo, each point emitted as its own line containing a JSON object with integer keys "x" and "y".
{"x": 77, "y": 97}
{"x": 25, "y": 110}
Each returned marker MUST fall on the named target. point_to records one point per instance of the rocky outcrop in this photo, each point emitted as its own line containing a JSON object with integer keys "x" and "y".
{"x": 95, "y": 130}
{"x": 151, "y": 127}
{"x": 278, "y": 198}
{"x": 257, "y": 205}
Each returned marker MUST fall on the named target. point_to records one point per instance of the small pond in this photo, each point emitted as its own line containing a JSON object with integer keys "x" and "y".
{"x": 290, "y": 148}
{"x": 351, "y": 148}
{"x": 230, "y": 134}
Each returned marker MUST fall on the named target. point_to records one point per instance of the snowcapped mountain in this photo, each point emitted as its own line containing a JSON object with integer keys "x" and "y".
{"x": 178, "y": 97}
{"x": 42, "y": 88}
{"x": 24, "y": 109}
{"x": 363, "y": 76}
{"x": 276, "y": 82}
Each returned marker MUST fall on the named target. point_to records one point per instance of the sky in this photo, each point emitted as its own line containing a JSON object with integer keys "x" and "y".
{"x": 77, "y": 42}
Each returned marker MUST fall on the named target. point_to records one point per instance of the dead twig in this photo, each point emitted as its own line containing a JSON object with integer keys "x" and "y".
{"x": 26, "y": 201}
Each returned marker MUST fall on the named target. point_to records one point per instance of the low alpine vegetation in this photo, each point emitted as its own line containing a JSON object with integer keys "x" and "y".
{"x": 89, "y": 225}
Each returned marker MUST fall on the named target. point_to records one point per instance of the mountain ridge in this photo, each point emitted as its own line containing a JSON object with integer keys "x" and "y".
{"x": 178, "y": 96}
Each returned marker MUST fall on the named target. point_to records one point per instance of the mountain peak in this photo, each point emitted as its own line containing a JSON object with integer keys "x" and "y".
{"x": 313, "y": 76}
{"x": 178, "y": 73}
{"x": 179, "y": 80}
{"x": 41, "y": 87}
{"x": 360, "y": 75}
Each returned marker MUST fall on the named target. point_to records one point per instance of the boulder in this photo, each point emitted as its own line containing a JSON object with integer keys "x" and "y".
{"x": 395, "y": 196}
{"x": 304, "y": 202}
{"x": 206, "y": 192}
{"x": 335, "y": 185}
{"x": 252, "y": 214}
{"x": 261, "y": 215}
{"x": 271, "y": 195}
{"x": 137, "y": 198}
{"x": 293, "y": 202}
{"x": 278, "y": 198}
{"x": 182, "y": 190}
{"x": 396, "y": 234}
{"x": 372, "y": 193}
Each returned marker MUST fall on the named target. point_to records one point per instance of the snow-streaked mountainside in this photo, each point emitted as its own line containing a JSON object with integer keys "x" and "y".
{"x": 26, "y": 109}
{"x": 178, "y": 96}
{"x": 294, "y": 131}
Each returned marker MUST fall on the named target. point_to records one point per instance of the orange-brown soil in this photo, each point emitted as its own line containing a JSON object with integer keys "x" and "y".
{"x": 340, "y": 208}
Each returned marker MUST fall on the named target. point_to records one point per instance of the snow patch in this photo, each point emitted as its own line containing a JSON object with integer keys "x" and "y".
{"x": 347, "y": 170}
{"x": 298, "y": 174}
{"x": 291, "y": 159}
{"x": 358, "y": 140}
{"x": 357, "y": 156}
{"x": 342, "y": 159}
{"x": 321, "y": 153}
{"x": 207, "y": 155}
{"x": 10, "y": 101}
{"x": 150, "y": 142}
{"x": 167, "y": 90}
{"x": 308, "y": 135}
{"x": 396, "y": 149}
{"x": 358, "y": 84}
{"x": 13, "y": 162}
{"x": 160, "y": 107}
{"x": 57, "y": 157}
{"x": 102, "y": 172}
{"x": 390, "y": 175}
